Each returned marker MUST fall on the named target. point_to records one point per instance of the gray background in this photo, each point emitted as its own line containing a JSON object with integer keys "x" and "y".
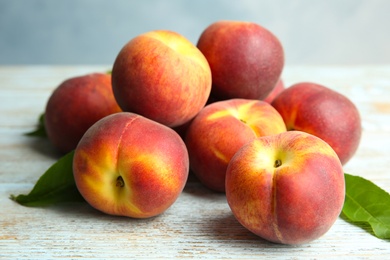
{"x": 341, "y": 32}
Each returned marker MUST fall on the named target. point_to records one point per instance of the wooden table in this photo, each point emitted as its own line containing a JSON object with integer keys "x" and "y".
{"x": 200, "y": 223}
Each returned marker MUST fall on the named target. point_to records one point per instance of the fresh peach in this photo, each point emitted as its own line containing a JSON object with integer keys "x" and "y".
{"x": 220, "y": 129}
{"x": 246, "y": 59}
{"x": 287, "y": 188}
{"x": 75, "y": 105}
{"x": 163, "y": 76}
{"x": 323, "y": 112}
{"x": 129, "y": 165}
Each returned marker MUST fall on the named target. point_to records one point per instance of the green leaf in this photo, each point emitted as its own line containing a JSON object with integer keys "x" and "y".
{"x": 366, "y": 202}
{"x": 40, "y": 131}
{"x": 56, "y": 185}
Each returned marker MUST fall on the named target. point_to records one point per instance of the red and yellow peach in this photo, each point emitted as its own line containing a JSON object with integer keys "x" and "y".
{"x": 287, "y": 188}
{"x": 162, "y": 76}
{"x": 129, "y": 165}
{"x": 220, "y": 129}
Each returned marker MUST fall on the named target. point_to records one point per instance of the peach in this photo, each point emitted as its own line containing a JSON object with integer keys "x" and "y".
{"x": 246, "y": 59}
{"x": 75, "y": 105}
{"x": 162, "y": 76}
{"x": 323, "y": 112}
{"x": 129, "y": 165}
{"x": 220, "y": 129}
{"x": 287, "y": 188}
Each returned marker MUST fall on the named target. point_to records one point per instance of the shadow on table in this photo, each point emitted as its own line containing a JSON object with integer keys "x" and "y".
{"x": 83, "y": 211}
{"x": 43, "y": 146}
{"x": 226, "y": 229}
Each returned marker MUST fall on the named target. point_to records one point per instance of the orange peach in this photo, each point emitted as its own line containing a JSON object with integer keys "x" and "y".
{"x": 163, "y": 76}
{"x": 75, "y": 105}
{"x": 220, "y": 129}
{"x": 129, "y": 165}
{"x": 323, "y": 112}
{"x": 287, "y": 188}
{"x": 246, "y": 59}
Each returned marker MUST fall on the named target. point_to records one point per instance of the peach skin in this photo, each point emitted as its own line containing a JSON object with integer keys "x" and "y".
{"x": 220, "y": 129}
{"x": 246, "y": 59}
{"x": 287, "y": 188}
{"x": 162, "y": 76}
{"x": 128, "y": 165}
{"x": 75, "y": 105}
{"x": 323, "y": 112}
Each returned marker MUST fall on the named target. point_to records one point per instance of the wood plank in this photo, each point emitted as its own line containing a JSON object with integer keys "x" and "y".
{"x": 199, "y": 224}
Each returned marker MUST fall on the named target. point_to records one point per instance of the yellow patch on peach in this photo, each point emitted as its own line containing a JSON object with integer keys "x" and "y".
{"x": 220, "y": 155}
{"x": 125, "y": 197}
{"x": 219, "y": 114}
{"x": 102, "y": 185}
{"x": 288, "y": 153}
{"x": 240, "y": 112}
{"x": 179, "y": 44}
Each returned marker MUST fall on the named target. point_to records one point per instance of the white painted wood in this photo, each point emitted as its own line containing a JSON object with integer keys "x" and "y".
{"x": 199, "y": 224}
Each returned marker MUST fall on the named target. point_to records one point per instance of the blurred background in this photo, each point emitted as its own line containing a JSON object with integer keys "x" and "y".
{"x": 313, "y": 32}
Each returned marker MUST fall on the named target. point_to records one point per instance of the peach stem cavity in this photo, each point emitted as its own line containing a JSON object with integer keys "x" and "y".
{"x": 120, "y": 182}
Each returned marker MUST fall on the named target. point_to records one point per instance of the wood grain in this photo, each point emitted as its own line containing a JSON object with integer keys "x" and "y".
{"x": 199, "y": 224}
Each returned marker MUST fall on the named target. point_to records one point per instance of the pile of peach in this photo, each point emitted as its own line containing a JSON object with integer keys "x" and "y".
{"x": 219, "y": 108}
